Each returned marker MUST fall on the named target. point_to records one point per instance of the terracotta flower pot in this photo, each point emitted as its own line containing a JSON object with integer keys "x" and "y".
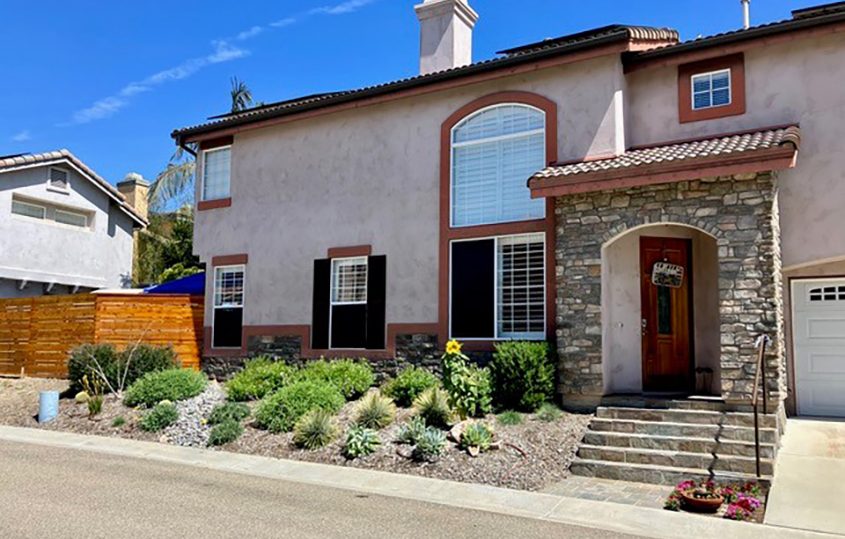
{"x": 701, "y": 505}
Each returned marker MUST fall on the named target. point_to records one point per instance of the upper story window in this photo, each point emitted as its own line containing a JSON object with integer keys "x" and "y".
{"x": 58, "y": 179}
{"x": 29, "y": 210}
{"x": 711, "y": 89}
{"x": 494, "y": 151}
{"x": 71, "y": 218}
{"x": 216, "y": 168}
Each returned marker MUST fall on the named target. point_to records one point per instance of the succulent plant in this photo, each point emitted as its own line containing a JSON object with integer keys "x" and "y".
{"x": 375, "y": 411}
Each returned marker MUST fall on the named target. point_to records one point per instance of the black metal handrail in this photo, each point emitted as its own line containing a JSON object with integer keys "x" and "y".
{"x": 759, "y": 373}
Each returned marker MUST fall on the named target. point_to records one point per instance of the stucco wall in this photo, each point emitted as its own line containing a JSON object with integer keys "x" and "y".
{"x": 45, "y": 251}
{"x": 796, "y": 82}
{"x": 621, "y": 305}
{"x": 371, "y": 176}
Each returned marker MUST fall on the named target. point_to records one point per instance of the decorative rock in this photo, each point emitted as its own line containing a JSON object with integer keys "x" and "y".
{"x": 82, "y": 397}
{"x": 191, "y": 429}
{"x": 473, "y": 451}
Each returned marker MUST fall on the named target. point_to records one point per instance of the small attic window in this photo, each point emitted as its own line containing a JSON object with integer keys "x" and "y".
{"x": 711, "y": 89}
{"x": 58, "y": 179}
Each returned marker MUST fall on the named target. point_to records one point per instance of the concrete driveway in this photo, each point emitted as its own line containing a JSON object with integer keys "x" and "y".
{"x": 808, "y": 492}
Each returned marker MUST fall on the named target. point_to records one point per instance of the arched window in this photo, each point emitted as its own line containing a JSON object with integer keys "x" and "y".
{"x": 494, "y": 152}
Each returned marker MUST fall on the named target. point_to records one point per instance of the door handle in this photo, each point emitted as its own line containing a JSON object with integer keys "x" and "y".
{"x": 644, "y": 325}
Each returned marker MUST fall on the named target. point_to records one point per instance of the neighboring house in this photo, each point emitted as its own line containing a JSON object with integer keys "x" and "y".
{"x": 668, "y": 222}
{"x": 64, "y": 229}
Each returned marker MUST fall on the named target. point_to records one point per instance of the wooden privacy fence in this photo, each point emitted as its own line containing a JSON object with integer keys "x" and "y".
{"x": 37, "y": 334}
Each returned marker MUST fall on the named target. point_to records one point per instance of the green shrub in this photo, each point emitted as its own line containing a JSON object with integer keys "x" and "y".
{"x": 173, "y": 384}
{"x": 430, "y": 445}
{"x": 509, "y": 418}
{"x": 142, "y": 359}
{"x": 523, "y": 375}
{"x": 548, "y": 412}
{"x": 351, "y": 378}
{"x": 360, "y": 441}
{"x": 228, "y": 411}
{"x": 259, "y": 378}
{"x": 225, "y": 432}
{"x": 411, "y": 431}
{"x": 315, "y": 429}
{"x": 409, "y": 384}
{"x": 468, "y": 386}
{"x": 375, "y": 411}
{"x": 478, "y": 435}
{"x": 161, "y": 416}
{"x": 433, "y": 407}
{"x": 279, "y": 411}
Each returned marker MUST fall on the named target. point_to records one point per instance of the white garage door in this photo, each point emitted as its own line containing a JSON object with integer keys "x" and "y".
{"x": 819, "y": 335}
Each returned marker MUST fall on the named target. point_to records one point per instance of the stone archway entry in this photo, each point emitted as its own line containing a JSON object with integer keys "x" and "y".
{"x": 665, "y": 276}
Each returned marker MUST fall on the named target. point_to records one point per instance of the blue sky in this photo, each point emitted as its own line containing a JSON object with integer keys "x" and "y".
{"x": 110, "y": 81}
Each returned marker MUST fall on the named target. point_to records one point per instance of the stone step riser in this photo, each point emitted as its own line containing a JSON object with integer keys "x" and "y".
{"x": 662, "y": 404}
{"x": 745, "y": 434}
{"x": 657, "y": 476}
{"x": 688, "y": 416}
{"x": 676, "y": 460}
{"x": 688, "y": 445}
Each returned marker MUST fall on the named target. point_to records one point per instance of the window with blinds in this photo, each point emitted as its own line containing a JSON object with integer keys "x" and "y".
{"x": 711, "y": 89}
{"x": 521, "y": 287}
{"x": 215, "y": 173}
{"x": 494, "y": 152}
{"x": 349, "y": 280}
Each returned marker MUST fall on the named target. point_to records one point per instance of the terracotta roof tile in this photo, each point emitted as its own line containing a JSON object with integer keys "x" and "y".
{"x": 681, "y": 151}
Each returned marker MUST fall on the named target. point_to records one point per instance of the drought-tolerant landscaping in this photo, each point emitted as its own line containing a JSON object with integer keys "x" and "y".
{"x": 494, "y": 425}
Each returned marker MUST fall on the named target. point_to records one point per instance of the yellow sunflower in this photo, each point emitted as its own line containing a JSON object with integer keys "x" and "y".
{"x": 453, "y": 347}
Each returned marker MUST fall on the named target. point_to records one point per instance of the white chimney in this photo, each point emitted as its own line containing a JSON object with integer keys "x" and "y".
{"x": 746, "y": 13}
{"x": 445, "y": 34}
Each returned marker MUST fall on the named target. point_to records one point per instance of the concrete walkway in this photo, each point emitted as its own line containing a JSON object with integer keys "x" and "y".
{"x": 618, "y": 518}
{"x": 808, "y": 492}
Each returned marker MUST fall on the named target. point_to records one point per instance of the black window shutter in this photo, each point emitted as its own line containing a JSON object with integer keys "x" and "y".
{"x": 320, "y": 307}
{"x": 376, "y": 292}
{"x": 473, "y": 278}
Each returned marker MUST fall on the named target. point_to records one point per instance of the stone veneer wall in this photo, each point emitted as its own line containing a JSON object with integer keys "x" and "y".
{"x": 420, "y": 350}
{"x": 739, "y": 211}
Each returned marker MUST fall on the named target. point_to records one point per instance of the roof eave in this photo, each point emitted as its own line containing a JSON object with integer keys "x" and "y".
{"x": 771, "y": 159}
{"x": 185, "y": 135}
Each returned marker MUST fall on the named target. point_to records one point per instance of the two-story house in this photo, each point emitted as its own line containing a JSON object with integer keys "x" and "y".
{"x": 64, "y": 229}
{"x": 636, "y": 199}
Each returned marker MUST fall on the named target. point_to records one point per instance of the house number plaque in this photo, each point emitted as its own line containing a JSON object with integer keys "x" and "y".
{"x": 666, "y": 274}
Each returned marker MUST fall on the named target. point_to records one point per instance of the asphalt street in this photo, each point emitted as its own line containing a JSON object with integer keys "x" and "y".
{"x": 50, "y": 492}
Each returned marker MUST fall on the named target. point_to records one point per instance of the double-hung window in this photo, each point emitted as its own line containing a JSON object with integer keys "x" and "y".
{"x": 216, "y": 170}
{"x": 228, "y": 306}
{"x": 498, "y": 288}
{"x": 712, "y": 89}
{"x": 349, "y": 303}
{"x": 494, "y": 152}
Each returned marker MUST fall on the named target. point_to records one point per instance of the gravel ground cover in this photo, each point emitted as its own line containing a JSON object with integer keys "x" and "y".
{"x": 532, "y": 455}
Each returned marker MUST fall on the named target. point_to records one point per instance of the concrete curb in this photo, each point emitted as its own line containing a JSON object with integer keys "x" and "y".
{"x": 592, "y": 514}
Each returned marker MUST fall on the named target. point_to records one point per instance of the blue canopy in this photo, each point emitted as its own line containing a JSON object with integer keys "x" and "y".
{"x": 192, "y": 284}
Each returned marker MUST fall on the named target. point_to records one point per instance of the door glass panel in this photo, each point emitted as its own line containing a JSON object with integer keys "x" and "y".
{"x": 664, "y": 310}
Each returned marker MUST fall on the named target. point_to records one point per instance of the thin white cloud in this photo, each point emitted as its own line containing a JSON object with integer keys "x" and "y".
{"x": 349, "y": 6}
{"x": 281, "y": 23}
{"x": 224, "y": 51}
{"x": 23, "y": 136}
{"x": 108, "y": 106}
{"x": 252, "y": 32}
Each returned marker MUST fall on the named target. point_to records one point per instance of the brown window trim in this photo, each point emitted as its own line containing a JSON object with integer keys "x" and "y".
{"x": 230, "y": 260}
{"x": 205, "y": 205}
{"x": 447, "y": 233}
{"x": 347, "y": 252}
{"x": 736, "y": 64}
{"x": 210, "y": 144}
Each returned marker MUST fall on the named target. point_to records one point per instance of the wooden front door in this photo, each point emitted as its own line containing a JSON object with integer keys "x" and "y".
{"x": 666, "y": 319}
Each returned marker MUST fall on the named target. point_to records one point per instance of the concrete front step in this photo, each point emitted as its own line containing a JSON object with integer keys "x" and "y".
{"x": 697, "y": 417}
{"x": 670, "y": 443}
{"x": 659, "y": 475}
{"x": 676, "y": 459}
{"x": 681, "y": 430}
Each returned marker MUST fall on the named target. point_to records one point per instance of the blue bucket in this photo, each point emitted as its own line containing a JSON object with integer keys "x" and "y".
{"x": 48, "y": 406}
